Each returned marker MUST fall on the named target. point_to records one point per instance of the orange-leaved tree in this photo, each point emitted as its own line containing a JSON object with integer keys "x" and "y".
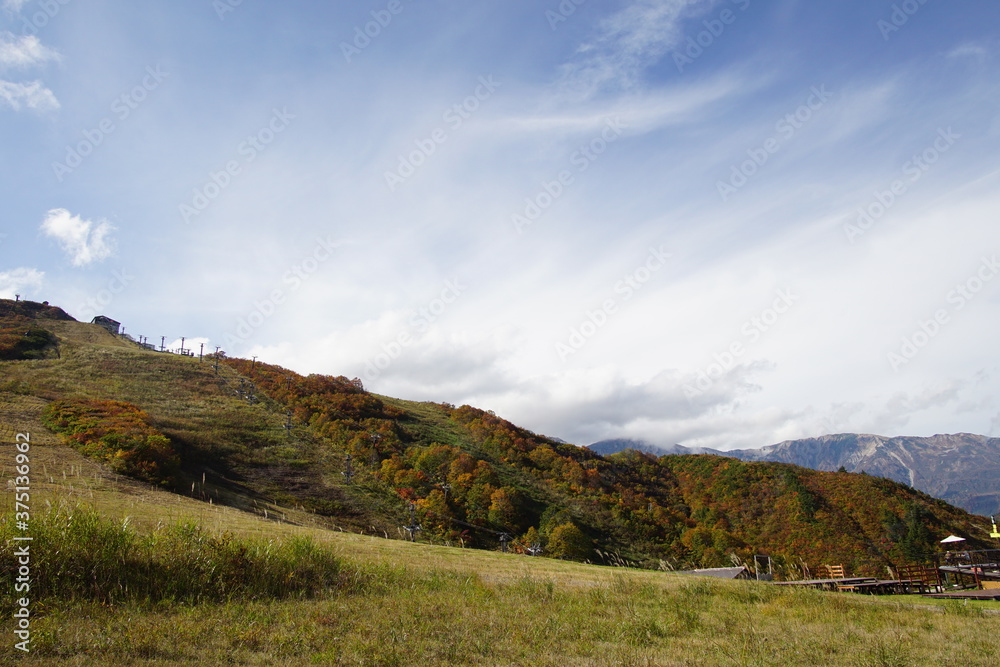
{"x": 117, "y": 433}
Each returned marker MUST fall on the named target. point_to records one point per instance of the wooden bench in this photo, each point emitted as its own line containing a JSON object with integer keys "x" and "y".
{"x": 922, "y": 578}
{"x": 845, "y": 583}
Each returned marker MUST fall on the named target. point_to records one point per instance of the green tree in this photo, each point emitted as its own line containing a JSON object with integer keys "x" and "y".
{"x": 569, "y": 542}
{"x": 917, "y": 541}
{"x": 808, "y": 502}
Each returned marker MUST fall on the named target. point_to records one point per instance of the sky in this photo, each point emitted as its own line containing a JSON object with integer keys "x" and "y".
{"x": 718, "y": 223}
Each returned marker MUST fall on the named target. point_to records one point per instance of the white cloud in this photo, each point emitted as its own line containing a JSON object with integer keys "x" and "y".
{"x": 192, "y": 345}
{"x": 14, "y": 5}
{"x": 628, "y": 41}
{"x": 16, "y": 281}
{"x": 83, "y": 240}
{"x": 970, "y": 50}
{"x": 642, "y": 113}
{"x": 23, "y": 52}
{"x": 31, "y": 95}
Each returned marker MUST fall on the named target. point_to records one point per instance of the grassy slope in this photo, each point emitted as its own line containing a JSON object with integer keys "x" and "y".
{"x": 427, "y": 604}
{"x": 433, "y": 605}
{"x": 235, "y": 453}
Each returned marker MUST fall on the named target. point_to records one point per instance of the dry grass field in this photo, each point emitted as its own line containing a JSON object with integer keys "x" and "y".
{"x": 417, "y": 604}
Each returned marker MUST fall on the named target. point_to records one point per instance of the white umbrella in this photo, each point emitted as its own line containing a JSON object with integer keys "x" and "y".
{"x": 952, "y": 538}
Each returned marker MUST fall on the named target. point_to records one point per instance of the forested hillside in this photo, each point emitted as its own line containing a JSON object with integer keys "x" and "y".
{"x": 245, "y": 433}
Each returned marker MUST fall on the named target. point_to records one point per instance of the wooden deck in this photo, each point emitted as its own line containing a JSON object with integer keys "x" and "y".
{"x": 973, "y": 571}
{"x": 993, "y": 594}
{"x": 872, "y": 586}
{"x": 825, "y": 584}
{"x": 869, "y": 585}
{"x": 959, "y": 575}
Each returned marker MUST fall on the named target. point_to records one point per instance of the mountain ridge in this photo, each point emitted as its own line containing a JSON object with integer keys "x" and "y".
{"x": 961, "y": 468}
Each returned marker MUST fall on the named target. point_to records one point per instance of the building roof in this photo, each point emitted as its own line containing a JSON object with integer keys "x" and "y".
{"x": 720, "y": 572}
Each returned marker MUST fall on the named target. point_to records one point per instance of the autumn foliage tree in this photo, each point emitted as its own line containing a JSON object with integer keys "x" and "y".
{"x": 569, "y": 542}
{"x": 117, "y": 433}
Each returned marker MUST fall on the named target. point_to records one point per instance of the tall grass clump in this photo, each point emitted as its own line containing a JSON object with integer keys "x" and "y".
{"x": 77, "y": 555}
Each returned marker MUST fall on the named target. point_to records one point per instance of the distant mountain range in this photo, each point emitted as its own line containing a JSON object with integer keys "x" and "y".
{"x": 613, "y": 446}
{"x": 963, "y": 469}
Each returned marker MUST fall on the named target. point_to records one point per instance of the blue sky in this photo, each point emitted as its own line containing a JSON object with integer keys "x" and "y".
{"x": 715, "y": 223}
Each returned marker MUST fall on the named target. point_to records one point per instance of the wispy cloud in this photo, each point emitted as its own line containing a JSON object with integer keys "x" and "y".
{"x": 84, "y": 241}
{"x": 32, "y": 95}
{"x": 626, "y": 43}
{"x": 969, "y": 50}
{"x": 18, "y": 280}
{"x": 23, "y": 52}
{"x": 14, "y": 5}
{"x": 642, "y": 113}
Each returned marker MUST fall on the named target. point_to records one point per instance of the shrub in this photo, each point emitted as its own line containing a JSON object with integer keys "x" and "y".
{"x": 117, "y": 433}
{"x": 82, "y": 556}
{"x": 25, "y": 341}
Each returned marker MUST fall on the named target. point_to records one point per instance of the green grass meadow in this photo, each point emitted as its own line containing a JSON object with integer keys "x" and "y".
{"x": 213, "y": 586}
